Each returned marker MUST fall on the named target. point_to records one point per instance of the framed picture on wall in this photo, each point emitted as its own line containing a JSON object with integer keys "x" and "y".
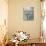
{"x": 28, "y": 13}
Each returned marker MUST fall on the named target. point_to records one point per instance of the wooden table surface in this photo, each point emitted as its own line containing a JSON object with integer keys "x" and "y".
{"x": 35, "y": 42}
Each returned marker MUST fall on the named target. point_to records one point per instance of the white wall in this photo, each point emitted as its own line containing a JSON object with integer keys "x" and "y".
{"x": 16, "y": 21}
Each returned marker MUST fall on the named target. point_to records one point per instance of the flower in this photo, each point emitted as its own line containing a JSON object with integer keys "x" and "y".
{"x": 22, "y": 36}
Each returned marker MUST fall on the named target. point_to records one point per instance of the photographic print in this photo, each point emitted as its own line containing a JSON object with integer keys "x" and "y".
{"x": 28, "y": 13}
